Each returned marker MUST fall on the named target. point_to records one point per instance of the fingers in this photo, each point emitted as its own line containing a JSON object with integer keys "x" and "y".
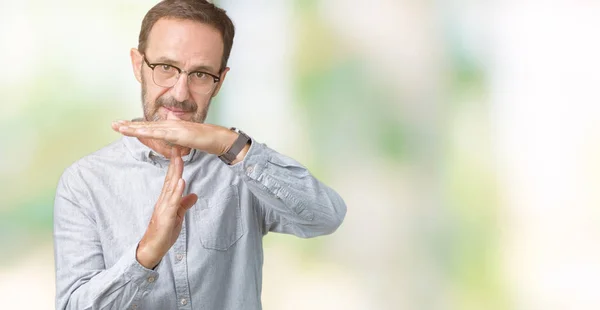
{"x": 174, "y": 194}
{"x": 173, "y": 131}
{"x": 170, "y": 135}
{"x": 186, "y": 203}
{"x": 163, "y": 124}
{"x": 115, "y": 125}
{"x": 174, "y": 173}
{"x": 174, "y": 185}
{"x": 154, "y": 130}
{"x": 175, "y": 198}
{"x": 151, "y": 133}
{"x": 175, "y": 178}
{"x": 176, "y": 157}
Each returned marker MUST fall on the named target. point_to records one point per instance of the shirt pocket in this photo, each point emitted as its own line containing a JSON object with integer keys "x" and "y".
{"x": 221, "y": 220}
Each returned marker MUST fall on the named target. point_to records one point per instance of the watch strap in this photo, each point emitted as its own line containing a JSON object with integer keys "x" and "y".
{"x": 237, "y": 146}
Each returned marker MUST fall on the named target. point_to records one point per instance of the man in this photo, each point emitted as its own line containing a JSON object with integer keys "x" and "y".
{"x": 172, "y": 215}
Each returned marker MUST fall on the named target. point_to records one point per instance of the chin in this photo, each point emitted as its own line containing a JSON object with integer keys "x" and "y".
{"x": 188, "y": 117}
{"x": 156, "y": 118}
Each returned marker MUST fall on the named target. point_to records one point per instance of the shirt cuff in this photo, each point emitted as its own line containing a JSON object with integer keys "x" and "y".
{"x": 143, "y": 277}
{"x": 255, "y": 161}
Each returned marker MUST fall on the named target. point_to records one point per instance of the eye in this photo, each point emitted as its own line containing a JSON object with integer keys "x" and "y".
{"x": 166, "y": 68}
{"x": 200, "y": 75}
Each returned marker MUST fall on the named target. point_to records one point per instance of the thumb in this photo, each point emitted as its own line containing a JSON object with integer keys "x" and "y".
{"x": 188, "y": 201}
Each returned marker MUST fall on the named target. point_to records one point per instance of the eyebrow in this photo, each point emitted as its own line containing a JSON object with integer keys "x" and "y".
{"x": 169, "y": 61}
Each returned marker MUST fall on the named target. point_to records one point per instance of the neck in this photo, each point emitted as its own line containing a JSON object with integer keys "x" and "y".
{"x": 164, "y": 148}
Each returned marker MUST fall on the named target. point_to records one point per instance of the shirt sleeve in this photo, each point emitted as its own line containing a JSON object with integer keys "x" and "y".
{"x": 82, "y": 279}
{"x": 290, "y": 199}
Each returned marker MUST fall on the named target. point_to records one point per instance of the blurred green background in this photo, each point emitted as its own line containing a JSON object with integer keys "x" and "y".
{"x": 463, "y": 136}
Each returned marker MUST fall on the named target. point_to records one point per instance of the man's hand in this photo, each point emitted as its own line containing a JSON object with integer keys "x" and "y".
{"x": 209, "y": 138}
{"x": 167, "y": 219}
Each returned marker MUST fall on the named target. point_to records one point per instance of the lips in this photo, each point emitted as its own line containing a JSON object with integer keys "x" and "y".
{"x": 176, "y": 110}
{"x": 171, "y": 113}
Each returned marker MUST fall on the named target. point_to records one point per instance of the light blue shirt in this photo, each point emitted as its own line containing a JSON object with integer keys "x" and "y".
{"x": 105, "y": 200}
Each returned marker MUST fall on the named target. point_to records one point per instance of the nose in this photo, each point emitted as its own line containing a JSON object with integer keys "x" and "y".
{"x": 181, "y": 90}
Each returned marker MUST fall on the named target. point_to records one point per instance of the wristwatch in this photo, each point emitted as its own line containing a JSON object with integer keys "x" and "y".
{"x": 229, "y": 156}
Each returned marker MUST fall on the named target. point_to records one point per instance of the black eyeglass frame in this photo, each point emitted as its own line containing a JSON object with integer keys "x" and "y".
{"x": 216, "y": 79}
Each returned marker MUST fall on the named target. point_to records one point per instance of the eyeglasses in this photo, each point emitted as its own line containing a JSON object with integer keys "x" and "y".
{"x": 166, "y": 75}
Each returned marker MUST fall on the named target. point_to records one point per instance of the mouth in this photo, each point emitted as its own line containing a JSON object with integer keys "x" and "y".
{"x": 176, "y": 111}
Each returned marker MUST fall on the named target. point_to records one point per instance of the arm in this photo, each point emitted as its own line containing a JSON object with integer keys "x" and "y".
{"x": 290, "y": 199}
{"x": 82, "y": 280}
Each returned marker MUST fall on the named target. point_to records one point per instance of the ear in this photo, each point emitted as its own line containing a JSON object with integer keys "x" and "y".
{"x": 136, "y": 63}
{"x": 221, "y": 80}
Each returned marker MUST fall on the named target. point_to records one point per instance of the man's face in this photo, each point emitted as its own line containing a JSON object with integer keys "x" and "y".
{"x": 190, "y": 46}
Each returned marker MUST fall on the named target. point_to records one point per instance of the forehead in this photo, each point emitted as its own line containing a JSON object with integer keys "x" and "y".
{"x": 187, "y": 42}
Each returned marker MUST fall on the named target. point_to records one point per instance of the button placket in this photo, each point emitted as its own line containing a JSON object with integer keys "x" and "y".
{"x": 180, "y": 269}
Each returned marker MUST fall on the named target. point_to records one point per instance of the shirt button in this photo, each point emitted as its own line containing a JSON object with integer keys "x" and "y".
{"x": 151, "y": 279}
{"x": 183, "y": 302}
{"x": 179, "y": 257}
{"x": 249, "y": 169}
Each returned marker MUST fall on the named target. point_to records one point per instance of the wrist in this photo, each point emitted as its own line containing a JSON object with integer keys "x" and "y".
{"x": 242, "y": 153}
{"x": 236, "y": 146}
{"x": 145, "y": 256}
{"x": 227, "y": 139}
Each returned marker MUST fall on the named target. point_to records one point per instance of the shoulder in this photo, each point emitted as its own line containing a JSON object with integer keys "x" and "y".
{"x": 101, "y": 161}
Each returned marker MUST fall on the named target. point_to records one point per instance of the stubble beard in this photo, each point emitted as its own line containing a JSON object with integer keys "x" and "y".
{"x": 151, "y": 110}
